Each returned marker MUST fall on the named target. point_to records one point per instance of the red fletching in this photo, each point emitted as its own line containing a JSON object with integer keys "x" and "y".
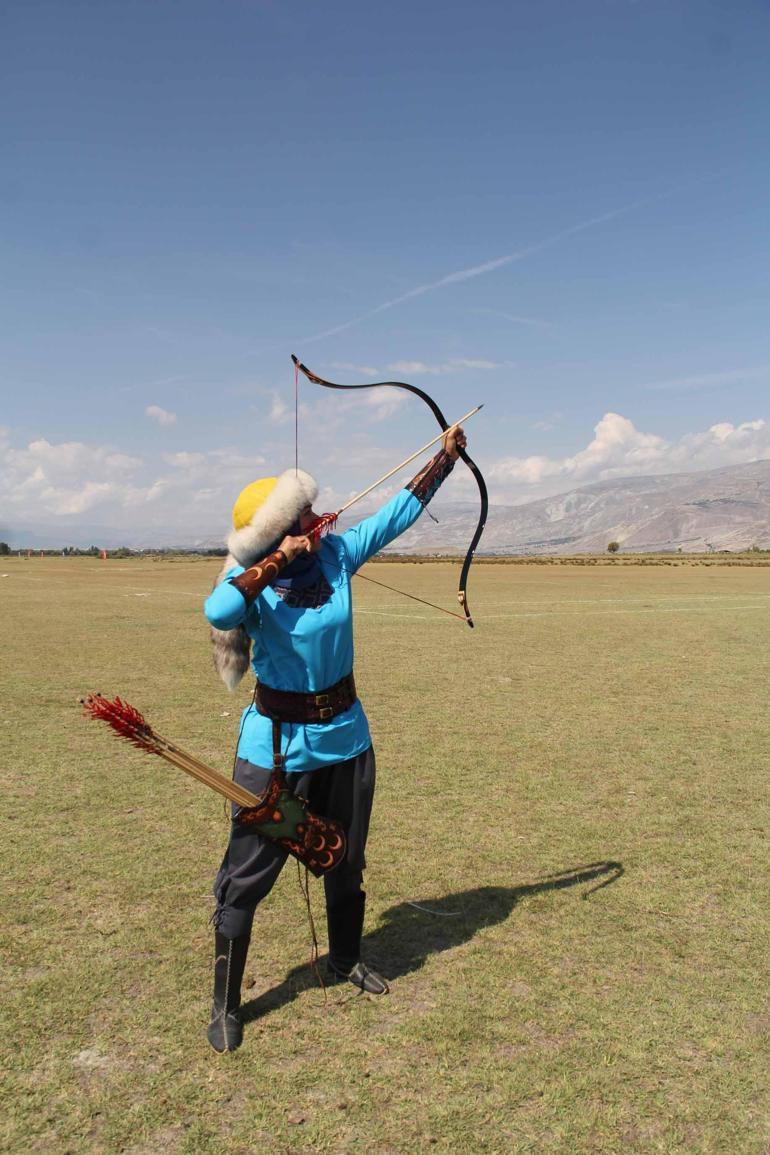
{"x": 322, "y": 525}
{"x": 124, "y": 719}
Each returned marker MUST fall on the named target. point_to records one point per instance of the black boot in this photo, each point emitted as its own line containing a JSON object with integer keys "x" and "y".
{"x": 345, "y": 920}
{"x": 226, "y": 1029}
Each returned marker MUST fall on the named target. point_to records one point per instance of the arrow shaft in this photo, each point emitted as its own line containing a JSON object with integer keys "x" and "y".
{"x": 406, "y": 461}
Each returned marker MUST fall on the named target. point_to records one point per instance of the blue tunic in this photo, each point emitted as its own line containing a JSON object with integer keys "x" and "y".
{"x": 307, "y": 650}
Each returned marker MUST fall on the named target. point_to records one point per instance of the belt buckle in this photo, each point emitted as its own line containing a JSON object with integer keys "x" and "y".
{"x": 325, "y": 712}
{"x": 321, "y": 700}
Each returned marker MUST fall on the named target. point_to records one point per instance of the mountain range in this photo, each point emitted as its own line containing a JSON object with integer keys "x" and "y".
{"x": 726, "y": 508}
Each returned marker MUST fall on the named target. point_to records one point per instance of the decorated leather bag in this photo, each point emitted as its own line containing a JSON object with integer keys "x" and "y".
{"x": 283, "y": 817}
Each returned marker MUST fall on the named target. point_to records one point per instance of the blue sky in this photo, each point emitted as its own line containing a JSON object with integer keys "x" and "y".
{"x": 559, "y": 209}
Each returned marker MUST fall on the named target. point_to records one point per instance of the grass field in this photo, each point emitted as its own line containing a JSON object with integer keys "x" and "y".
{"x": 568, "y": 874}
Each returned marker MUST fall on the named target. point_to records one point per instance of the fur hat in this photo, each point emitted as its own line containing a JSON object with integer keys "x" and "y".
{"x": 262, "y": 514}
{"x": 264, "y": 511}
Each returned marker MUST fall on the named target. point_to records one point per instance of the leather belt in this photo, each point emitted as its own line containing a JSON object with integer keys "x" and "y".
{"x": 285, "y": 706}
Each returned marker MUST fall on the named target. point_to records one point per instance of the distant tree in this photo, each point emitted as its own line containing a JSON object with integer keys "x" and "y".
{"x": 5, "y": 549}
{"x": 613, "y": 547}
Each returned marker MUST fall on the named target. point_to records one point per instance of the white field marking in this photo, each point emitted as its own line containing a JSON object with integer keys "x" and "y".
{"x": 642, "y": 602}
{"x": 440, "y": 913}
{"x": 171, "y": 593}
{"x": 640, "y": 610}
{"x": 479, "y": 619}
{"x": 409, "y": 617}
{"x": 35, "y": 578}
{"x": 611, "y": 601}
{"x": 204, "y": 593}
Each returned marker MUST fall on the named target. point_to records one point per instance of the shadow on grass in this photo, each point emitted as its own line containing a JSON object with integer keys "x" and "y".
{"x": 411, "y": 932}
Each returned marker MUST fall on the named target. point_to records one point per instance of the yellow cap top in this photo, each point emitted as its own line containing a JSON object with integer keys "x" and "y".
{"x": 250, "y": 499}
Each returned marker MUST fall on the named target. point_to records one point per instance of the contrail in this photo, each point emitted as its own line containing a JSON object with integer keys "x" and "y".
{"x": 490, "y": 266}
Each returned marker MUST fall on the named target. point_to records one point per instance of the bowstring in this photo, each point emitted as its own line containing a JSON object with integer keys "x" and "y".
{"x": 414, "y": 597}
{"x": 393, "y": 589}
{"x": 296, "y": 420}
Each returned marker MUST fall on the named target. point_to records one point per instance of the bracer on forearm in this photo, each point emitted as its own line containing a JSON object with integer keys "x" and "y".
{"x": 252, "y": 581}
{"x": 428, "y": 480}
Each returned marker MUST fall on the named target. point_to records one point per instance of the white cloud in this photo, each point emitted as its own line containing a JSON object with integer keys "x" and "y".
{"x": 383, "y": 403}
{"x": 185, "y": 460}
{"x": 619, "y": 449}
{"x": 329, "y": 411}
{"x": 43, "y": 481}
{"x": 68, "y": 478}
{"x": 515, "y": 318}
{"x": 162, "y": 416}
{"x": 78, "y": 501}
{"x": 359, "y": 370}
{"x": 454, "y": 365}
{"x": 708, "y": 380}
{"x": 280, "y": 412}
{"x": 189, "y": 494}
{"x": 546, "y": 424}
{"x": 354, "y": 455}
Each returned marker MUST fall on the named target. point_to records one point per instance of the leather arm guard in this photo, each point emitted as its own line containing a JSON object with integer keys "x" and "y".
{"x": 428, "y": 480}
{"x": 252, "y": 581}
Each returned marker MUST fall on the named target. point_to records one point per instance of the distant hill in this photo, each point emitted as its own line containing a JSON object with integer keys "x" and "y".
{"x": 68, "y": 532}
{"x": 725, "y": 508}
{"x": 718, "y": 508}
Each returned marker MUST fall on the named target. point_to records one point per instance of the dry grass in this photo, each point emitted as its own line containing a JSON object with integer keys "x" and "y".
{"x": 600, "y": 725}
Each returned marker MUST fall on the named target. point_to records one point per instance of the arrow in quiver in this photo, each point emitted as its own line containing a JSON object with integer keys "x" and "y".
{"x": 318, "y": 843}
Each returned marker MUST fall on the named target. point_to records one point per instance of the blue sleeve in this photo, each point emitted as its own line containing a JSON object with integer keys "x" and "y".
{"x": 374, "y": 533}
{"x": 225, "y": 607}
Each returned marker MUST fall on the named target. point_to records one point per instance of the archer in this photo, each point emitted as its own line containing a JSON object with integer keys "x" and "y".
{"x": 284, "y": 594}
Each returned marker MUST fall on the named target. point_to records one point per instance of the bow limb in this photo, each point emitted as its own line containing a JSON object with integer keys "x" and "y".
{"x": 462, "y": 595}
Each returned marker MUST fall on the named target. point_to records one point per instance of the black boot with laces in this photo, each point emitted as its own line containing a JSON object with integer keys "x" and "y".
{"x": 225, "y": 1031}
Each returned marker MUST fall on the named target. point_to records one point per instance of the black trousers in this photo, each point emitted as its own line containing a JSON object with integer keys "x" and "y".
{"x": 251, "y": 865}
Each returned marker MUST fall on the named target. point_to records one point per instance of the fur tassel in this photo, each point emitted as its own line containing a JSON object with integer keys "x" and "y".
{"x": 231, "y": 648}
{"x": 231, "y": 651}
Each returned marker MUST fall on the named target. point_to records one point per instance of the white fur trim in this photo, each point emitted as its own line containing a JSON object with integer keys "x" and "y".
{"x": 292, "y": 492}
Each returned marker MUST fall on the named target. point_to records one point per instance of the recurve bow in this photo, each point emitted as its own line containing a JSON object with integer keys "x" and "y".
{"x": 462, "y": 595}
